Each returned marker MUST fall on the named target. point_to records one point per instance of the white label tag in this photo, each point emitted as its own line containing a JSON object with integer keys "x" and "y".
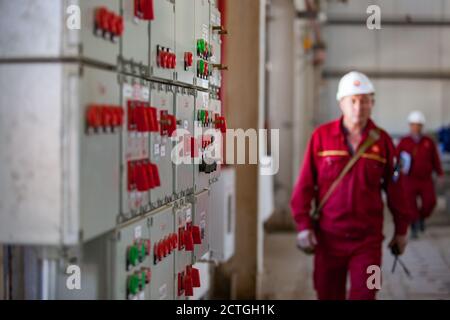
{"x": 156, "y": 149}
{"x": 127, "y": 91}
{"x": 188, "y": 215}
{"x": 145, "y": 93}
{"x": 137, "y": 92}
{"x": 163, "y": 151}
{"x": 185, "y": 124}
{"x": 138, "y": 232}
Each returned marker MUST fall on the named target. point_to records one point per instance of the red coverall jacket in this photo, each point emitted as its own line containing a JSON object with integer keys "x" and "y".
{"x": 356, "y": 206}
{"x": 419, "y": 182}
{"x": 425, "y": 157}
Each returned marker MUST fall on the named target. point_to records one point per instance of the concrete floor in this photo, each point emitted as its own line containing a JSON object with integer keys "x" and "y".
{"x": 288, "y": 272}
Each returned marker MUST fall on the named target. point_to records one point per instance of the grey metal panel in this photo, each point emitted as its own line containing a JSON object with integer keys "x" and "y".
{"x": 38, "y": 175}
{"x": 162, "y": 98}
{"x": 184, "y": 112}
{"x": 162, "y": 33}
{"x": 223, "y": 216}
{"x": 99, "y": 157}
{"x": 24, "y": 22}
{"x": 184, "y": 39}
{"x": 136, "y": 37}
{"x": 95, "y": 47}
{"x": 135, "y": 146}
{"x": 94, "y": 259}
{"x": 126, "y": 237}
{"x": 162, "y": 225}
{"x": 201, "y": 219}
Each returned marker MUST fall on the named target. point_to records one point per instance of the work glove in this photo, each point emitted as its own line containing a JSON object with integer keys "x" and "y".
{"x": 397, "y": 246}
{"x": 399, "y": 243}
{"x": 306, "y": 241}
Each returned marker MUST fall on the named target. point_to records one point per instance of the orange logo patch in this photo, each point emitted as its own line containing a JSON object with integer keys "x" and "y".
{"x": 376, "y": 149}
{"x": 357, "y": 83}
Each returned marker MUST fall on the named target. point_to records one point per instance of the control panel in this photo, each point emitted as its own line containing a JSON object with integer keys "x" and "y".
{"x": 112, "y": 153}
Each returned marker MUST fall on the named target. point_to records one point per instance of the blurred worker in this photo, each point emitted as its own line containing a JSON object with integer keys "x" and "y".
{"x": 355, "y": 160}
{"x": 420, "y": 159}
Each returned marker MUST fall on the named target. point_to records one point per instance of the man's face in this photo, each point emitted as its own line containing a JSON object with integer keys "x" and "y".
{"x": 416, "y": 128}
{"x": 357, "y": 109}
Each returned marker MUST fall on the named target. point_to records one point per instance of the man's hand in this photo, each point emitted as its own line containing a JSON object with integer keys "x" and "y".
{"x": 400, "y": 242}
{"x": 306, "y": 240}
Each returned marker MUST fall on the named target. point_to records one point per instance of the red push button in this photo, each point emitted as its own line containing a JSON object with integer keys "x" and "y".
{"x": 143, "y": 124}
{"x": 143, "y": 9}
{"x": 188, "y": 241}
{"x": 101, "y": 18}
{"x": 188, "y": 287}
{"x": 188, "y": 60}
{"x": 195, "y": 274}
{"x": 196, "y": 236}
{"x": 107, "y": 117}
{"x": 155, "y": 176}
{"x": 142, "y": 178}
{"x": 94, "y": 117}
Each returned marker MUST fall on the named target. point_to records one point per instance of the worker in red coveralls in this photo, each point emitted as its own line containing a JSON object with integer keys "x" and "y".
{"x": 349, "y": 236}
{"x": 420, "y": 159}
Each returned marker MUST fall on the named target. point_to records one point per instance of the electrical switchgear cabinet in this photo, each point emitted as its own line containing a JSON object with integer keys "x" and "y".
{"x": 64, "y": 172}
{"x": 22, "y": 32}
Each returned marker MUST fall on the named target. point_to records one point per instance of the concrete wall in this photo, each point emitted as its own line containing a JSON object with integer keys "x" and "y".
{"x": 290, "y": 97}
{"x": 395, "y": 49}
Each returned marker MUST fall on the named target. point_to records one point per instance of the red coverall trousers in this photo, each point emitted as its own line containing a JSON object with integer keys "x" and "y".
{"x": 338, "y": 256}
{"x": 422, "y": 196}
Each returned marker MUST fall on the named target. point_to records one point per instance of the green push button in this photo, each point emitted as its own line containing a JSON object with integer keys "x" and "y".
{"x": 201, "y": 46}
{"x": 143, "y": 252}
{"x": 143, "y": 279}
{"x": 202, "y": 115}
{"x": 202, "y": 66}
{"x": 133, "y": 255}
{"x": 133, "y": 284}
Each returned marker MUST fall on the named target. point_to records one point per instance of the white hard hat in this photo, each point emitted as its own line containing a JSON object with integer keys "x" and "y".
{"x": 416, "y": 117}
{"x": 354, "y": 83}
